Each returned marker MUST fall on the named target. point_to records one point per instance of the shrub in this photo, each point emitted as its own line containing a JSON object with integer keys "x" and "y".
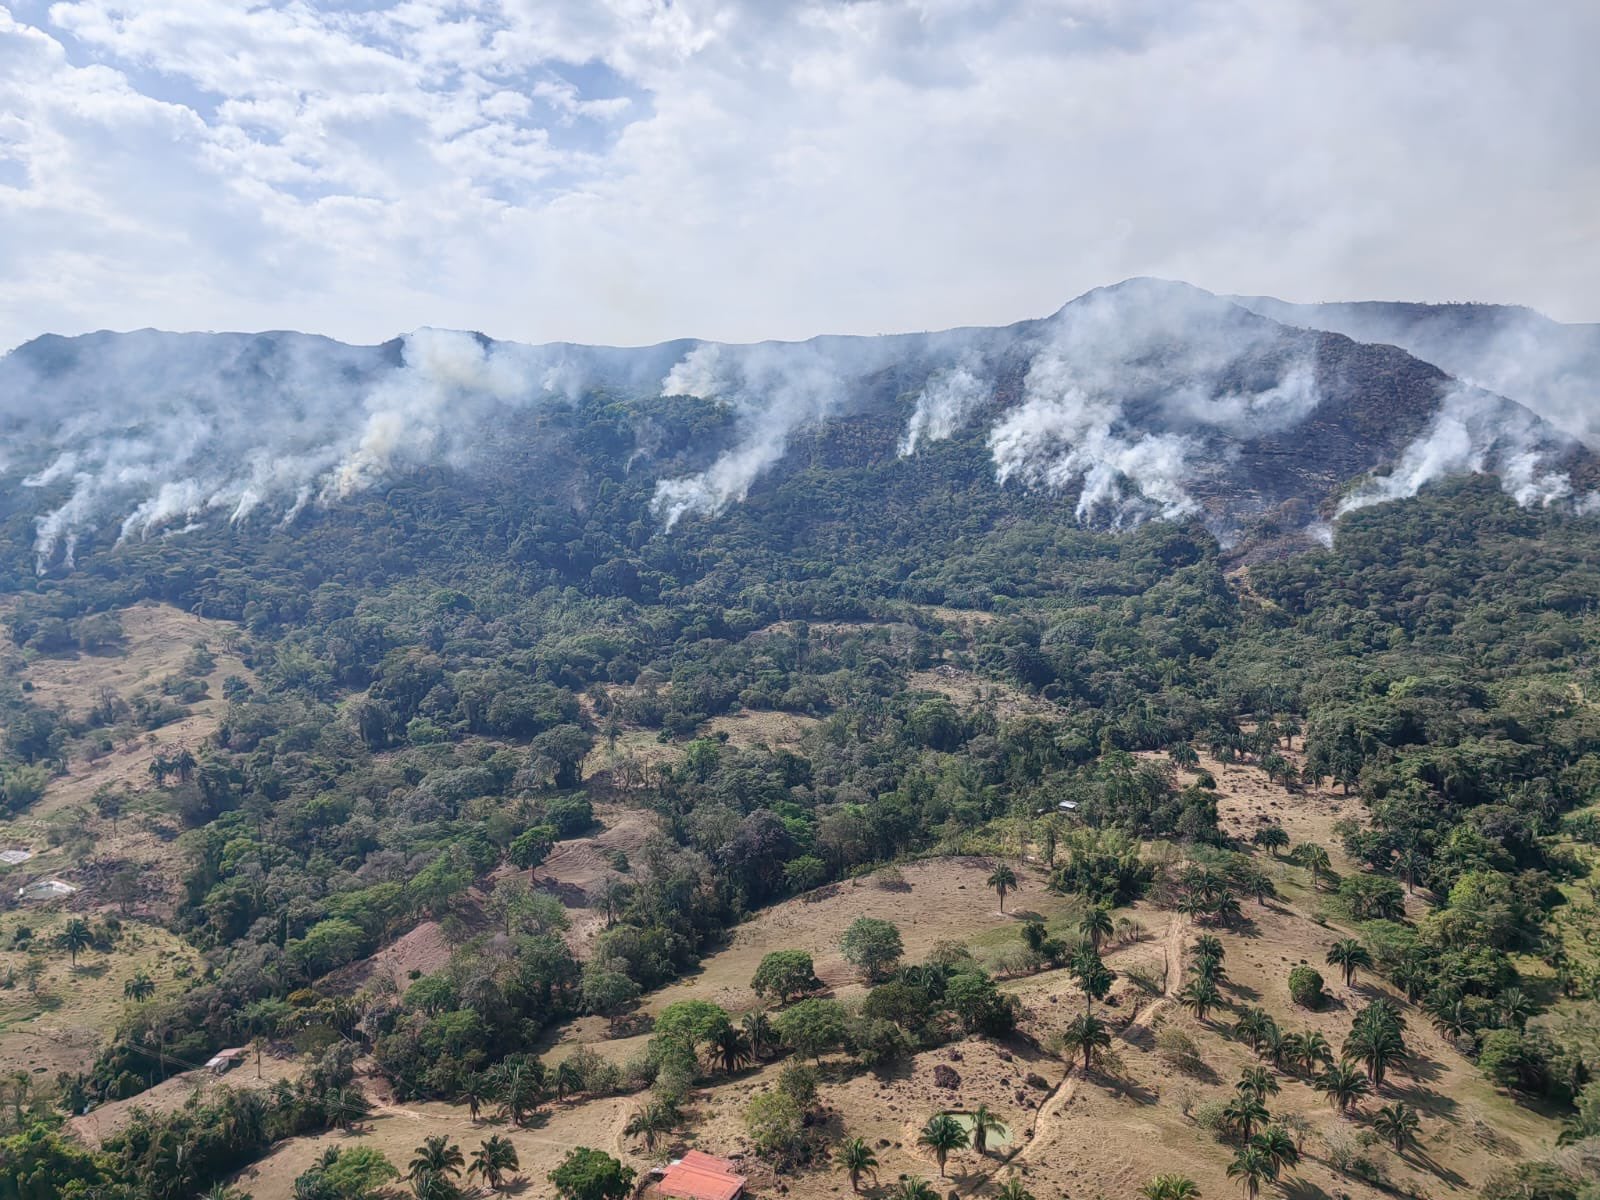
{"x": 1305, "y": 987}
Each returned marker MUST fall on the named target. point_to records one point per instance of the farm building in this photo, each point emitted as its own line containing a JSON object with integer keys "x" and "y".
{"x": 698, "y": 1176}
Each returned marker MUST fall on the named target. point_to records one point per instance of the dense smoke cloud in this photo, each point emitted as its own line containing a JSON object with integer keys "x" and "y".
{"x": 946, "y": 402}
{"x": 1472, "y": 433}
{"x": 156, "y": 440}
{"x": 1131, "y": 385}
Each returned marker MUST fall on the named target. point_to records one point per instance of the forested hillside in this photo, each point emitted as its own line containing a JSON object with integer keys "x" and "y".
{"x": 393, "y": 719}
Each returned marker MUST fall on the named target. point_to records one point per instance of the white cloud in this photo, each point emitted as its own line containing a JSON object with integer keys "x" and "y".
{"x": 625, "y": 170}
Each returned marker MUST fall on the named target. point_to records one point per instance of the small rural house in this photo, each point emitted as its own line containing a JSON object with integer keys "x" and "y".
{"x": 698, "y": 1176}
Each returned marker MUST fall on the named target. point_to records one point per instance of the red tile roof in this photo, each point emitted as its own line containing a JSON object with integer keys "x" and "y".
{"x": 698, "y": 1176}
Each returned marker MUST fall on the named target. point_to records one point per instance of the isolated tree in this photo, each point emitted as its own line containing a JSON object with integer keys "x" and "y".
{"x": 1252, "y": 1026}
{"x": 1171, "y": 1186}
{"x": 1349, "y": 956}
{"x": 1271, "y": 838}
{"x": 1086, "y": 1034}
{"x": 855, "y": 1158}
{"x": 1002, "y": 879}
{"x": 943, "y": 1135}
{"x": 1092, "y": 974}
{"x": 75, "y": 938}
{"x": 139, "y": 989}
{"x": 1276, "y": 1143}
{"x": 493, "y": 1159}
{"x": 587, "y": 1174}
{"x": 650, "y": 1122}
{"x": 784, "y": 974}
{"x": 437, "y": 1155}
{"x": 1397, "y": 1124}
{"x": 1245, "y": 1113}
{"x": 1315, "y": 859}
{"x": 1096, "y": 924}
{"x": 1314, "y": 1051}
{"x": 985, "y": 1122}
{"x": 812, "y": 1027}
{"x": 872, "y": 946}
{"x": 566, "y": 1080}
{"x": 1252, "y": 1167}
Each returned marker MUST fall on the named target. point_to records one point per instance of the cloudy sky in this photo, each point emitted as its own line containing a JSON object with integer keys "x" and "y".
{"x": 632, "y": 170}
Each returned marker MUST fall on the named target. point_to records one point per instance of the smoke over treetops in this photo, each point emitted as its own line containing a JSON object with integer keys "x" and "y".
{"x": 1145, "y": 400}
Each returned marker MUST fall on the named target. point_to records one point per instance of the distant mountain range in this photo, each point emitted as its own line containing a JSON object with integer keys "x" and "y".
{"x": 1145, "y": 400}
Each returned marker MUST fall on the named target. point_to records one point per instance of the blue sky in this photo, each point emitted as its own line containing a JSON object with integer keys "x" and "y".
{"x": 632, "y": 170}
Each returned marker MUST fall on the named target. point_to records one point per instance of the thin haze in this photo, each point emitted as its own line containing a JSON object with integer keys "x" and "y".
{"x": 632, "y": 170}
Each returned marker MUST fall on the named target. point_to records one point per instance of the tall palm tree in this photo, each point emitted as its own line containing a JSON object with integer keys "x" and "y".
{"x": 728, "y": 1049}
{"x": 984, "y": 1122}
{"x": 943, "y": 1135}
{"x": 1377, "y": 1047}
{"x": 1207, "y": 945}
{"x": 493, "y": 1159}
{"x": 437, "y": 1155}
{"x": 139, "y": 989}
{"x": 914, "y": 1189}
{"x": 855, "y": 1158}
{"x": 1343, "y": 1085}
{"x": 1012, "y": 1189}
{"x": 1453, "y": 1018}
{"x": 1002, "y": 879}
{"x": 1096, "y": 924}
{"x": 76, "y": 937}
{"x": 566, "y": 1080}
{"x": 1199, "y": 996}
{"x": 1210, "y": 969}
{"x": 345, "y": 1107}
{"x": 474, "y": 1091}
{"x": 649, "y": 1122}
{"x": 1086, "y": 1033}
{"x": 1397, "y": 1124}
{"x": 1252, "y": 1027}
{"x": 758, "y": 1031}
{"x": 1171, "y": 1187}
{"x": 1314, "y": 1051}
{"x": 1259, "y": 1082}
{"x": 1514, "y": 1007}
{"x": 1244, "y": 1113}
{"x": 1315, "y": 859}
{"x": 1349, "y": 955}
{"x": 1278, "y": 1146}
{"x": 1252, "y": 1167}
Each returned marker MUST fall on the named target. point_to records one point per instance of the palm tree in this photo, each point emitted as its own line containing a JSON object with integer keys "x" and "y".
{"x": 1343, "y": 1084}
{"x": 1410, "y": 864}
{"x": 345, "y": 1107}
{"x": 984, "y": 1122}
{"x": 758, "y": 1031}
{"x": 1244, "y": 1112}
{"x": 1252, "y": 1167}
{"x": 1012, "y": 1189}
{"x": 1259, "y": 1082}
{"x": 474, "y": 1091}
{"x": 728, "y": 1049}
{"x": 914, "y": 1189}
{"x": 1002, "y": 879}
{"x": 77, "y": 936}
{"x": 1171, "y": 1187}
{"x": 1252, "y": 1027}
{"x": 1376, "y": 1046}
{"x": 567, "y": 1079}
{"x": 437, "y": 1155}
{"x": 1398, "y": 1124}
{"x": 1315, "y": 859}
{"x": 1226, "y": 909}
{"x": 1207, "y": 945}
{"x": 1210, "y": 969}
{"x": 1199, "y": 996}
{"x": 139, "y": 989}
{"x": 649, "y": 1122}
{"x": 433, "y": 1185}
{"x": 1086, "y": 1033}
{"x": 1348, "y": 955}
{"x": 1278, "y": 1146}
{"x": 943, "y": 1134}
{"x": 1314, "y": 1051}
{"x": 1096, "y": 925}
{"x": 855, "y": 1158}
{"x": 1514, "y": 1007}
{"x": 1093, "y": 976}
{"x": 1453, "y": 1018}
{"x": 493, "y": 1159}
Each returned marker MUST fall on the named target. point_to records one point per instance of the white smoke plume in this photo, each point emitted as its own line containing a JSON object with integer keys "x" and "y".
{"x": 156, "y": 441}
{"x": 774, "y": 389}
{"x": 1127, "y": 386}
{"x": 946, "y": 402}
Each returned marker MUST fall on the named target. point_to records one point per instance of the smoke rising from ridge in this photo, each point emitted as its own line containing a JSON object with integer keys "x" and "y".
{"x": 945, "y": 403}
